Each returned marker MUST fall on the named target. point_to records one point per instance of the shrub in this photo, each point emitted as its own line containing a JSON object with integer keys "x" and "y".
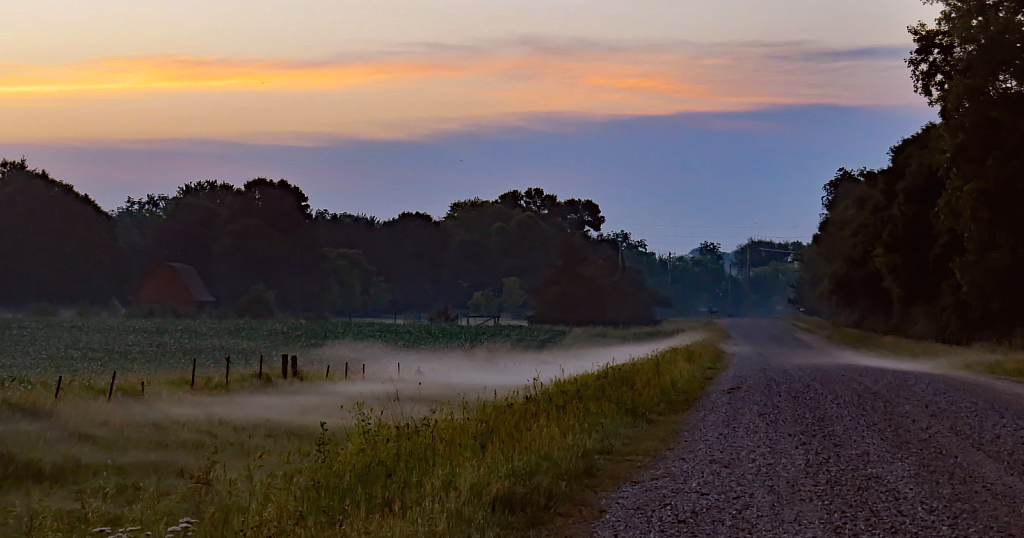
{"x": 258, "y": 303}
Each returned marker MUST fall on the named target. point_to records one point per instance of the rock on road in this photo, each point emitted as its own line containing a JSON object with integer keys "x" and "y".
{"x": 800, "y": 438}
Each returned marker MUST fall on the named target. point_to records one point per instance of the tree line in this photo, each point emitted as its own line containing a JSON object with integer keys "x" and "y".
{"x": 931, "y": 245}
{"x": 261, "y": 248}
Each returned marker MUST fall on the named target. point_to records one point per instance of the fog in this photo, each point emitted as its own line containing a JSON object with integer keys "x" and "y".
{"x": 426, "y": 380}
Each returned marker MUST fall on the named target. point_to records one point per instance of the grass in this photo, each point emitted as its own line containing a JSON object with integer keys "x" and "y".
{"x": 504, "y": 467}
{"x": 583, "y": 336}
{"x": 981, "y": 358}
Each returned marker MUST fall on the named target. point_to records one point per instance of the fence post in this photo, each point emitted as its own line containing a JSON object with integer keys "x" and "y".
{"x": 261, "y": 368}
{"x": 346, "y": 369}
{"x": 328, "y": 376}
{"x": 227, "y": 371}
{"x": 193, "y": 385}
{"x": 284, "y": 366}
{"x": 364, "y": 370}
{"x": 295, "y": 366}
{"x": 57, "y": 392}
{"x": 110, "y": 393}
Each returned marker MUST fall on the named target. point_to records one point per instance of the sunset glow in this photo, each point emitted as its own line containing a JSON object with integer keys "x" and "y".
{"x": 419, "y": 93}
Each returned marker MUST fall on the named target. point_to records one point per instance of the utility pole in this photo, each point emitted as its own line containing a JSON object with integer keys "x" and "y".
{"x": 748, "y": 267}
{"x": 669, "y": 268}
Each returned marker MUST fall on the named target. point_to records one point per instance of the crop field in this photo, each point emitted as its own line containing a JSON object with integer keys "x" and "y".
{"x": 97, "y": 346}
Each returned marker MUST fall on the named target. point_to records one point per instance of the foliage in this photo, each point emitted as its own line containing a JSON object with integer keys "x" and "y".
{"x": 484, "y": 303}
{"x": 513, "y": 296}
{"x": 592, "y": 287}
{"x": 258, "y": 303}
{"x": 62, "y": 249}
{"x": 444, "y": 315}
{"x": 57, "y": 246}
{"x": 928, "y": 246}
{"x": 265, "y": 233}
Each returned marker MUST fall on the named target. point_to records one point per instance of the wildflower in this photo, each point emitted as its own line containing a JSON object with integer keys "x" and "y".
{"x": 105, "y": 530}
{"x": 174, "y": 529}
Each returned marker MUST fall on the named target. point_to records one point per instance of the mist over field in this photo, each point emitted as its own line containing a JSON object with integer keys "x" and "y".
{"x": 425, "y": 269}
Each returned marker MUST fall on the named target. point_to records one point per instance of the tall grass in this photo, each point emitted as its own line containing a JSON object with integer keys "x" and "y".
{"x": 489, "y": 468}
{"x": 984, "y": 358}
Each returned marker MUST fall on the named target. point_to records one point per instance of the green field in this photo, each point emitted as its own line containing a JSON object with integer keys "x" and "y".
{"x": 96, "y": 346}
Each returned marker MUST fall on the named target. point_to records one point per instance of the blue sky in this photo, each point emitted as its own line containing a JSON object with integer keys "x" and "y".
{"x": 684, "y": 120}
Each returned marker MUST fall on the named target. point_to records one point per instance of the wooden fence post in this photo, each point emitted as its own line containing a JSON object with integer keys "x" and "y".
{"x": 295, "y": 366}
{"x": 193, "y": 385}
{"x": 227, "y": 371}
{"x": 328, "y": 376}
{"x": 57, "y": 392}
{"x": 143, "y": 387}
{"x": 346, "y": 369}
{"x": 261, "y": 368}
{"x": 110, "y": 393}
{"x": 284, "y": 366}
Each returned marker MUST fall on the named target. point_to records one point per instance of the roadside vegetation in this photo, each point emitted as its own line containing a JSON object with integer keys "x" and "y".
{"x": 1002, "y": 361}
{"x": 501, "y": 467}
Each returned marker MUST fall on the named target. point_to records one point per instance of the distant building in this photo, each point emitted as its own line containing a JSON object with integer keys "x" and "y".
{"x": 172, "y": 284}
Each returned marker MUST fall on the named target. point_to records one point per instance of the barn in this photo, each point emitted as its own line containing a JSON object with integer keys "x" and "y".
{"x": 172, "y": 284}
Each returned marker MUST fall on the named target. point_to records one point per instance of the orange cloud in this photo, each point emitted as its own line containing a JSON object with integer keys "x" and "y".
{"x": 415, "y": 94}
{"x": 197, "y": 74}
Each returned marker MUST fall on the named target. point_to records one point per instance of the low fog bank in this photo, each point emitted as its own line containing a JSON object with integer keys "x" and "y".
{"x": 426, "y": 380}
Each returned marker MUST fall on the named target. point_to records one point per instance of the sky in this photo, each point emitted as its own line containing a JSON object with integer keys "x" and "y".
{"x": 685, "y": 120}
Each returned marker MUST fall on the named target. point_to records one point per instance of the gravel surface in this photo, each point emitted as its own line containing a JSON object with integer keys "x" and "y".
{"x": 801, "y": 438}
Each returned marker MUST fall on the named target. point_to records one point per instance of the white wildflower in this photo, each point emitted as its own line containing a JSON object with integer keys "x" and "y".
{"x": 132, "y": 529}
{"x": 105, "y": 530}
{"x": 174, "y": 529}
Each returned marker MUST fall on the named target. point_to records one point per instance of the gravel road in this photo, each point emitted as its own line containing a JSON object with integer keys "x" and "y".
{"x": 801, "y": 438}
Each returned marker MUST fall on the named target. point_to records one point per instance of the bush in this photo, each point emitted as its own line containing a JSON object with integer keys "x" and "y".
{"x": 257, "y": 304}
{"x": 443, "y": 314}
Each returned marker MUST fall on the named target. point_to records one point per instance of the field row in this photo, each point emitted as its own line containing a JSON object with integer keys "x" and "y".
{"x": 96, "y": 346}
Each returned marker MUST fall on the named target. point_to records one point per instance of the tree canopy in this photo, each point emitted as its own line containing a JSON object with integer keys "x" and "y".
{"x": 930, "y": 246}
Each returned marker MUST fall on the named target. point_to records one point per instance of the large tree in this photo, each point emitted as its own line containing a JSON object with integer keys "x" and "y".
{"x": 56, "y": 244}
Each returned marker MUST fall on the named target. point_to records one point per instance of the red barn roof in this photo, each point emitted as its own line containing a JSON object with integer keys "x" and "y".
{"x": 172, "y": 283}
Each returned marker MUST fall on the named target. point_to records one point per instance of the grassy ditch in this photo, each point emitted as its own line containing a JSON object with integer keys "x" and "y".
{"x": 986, "y": 359}
{"x": 504, "y": 467}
